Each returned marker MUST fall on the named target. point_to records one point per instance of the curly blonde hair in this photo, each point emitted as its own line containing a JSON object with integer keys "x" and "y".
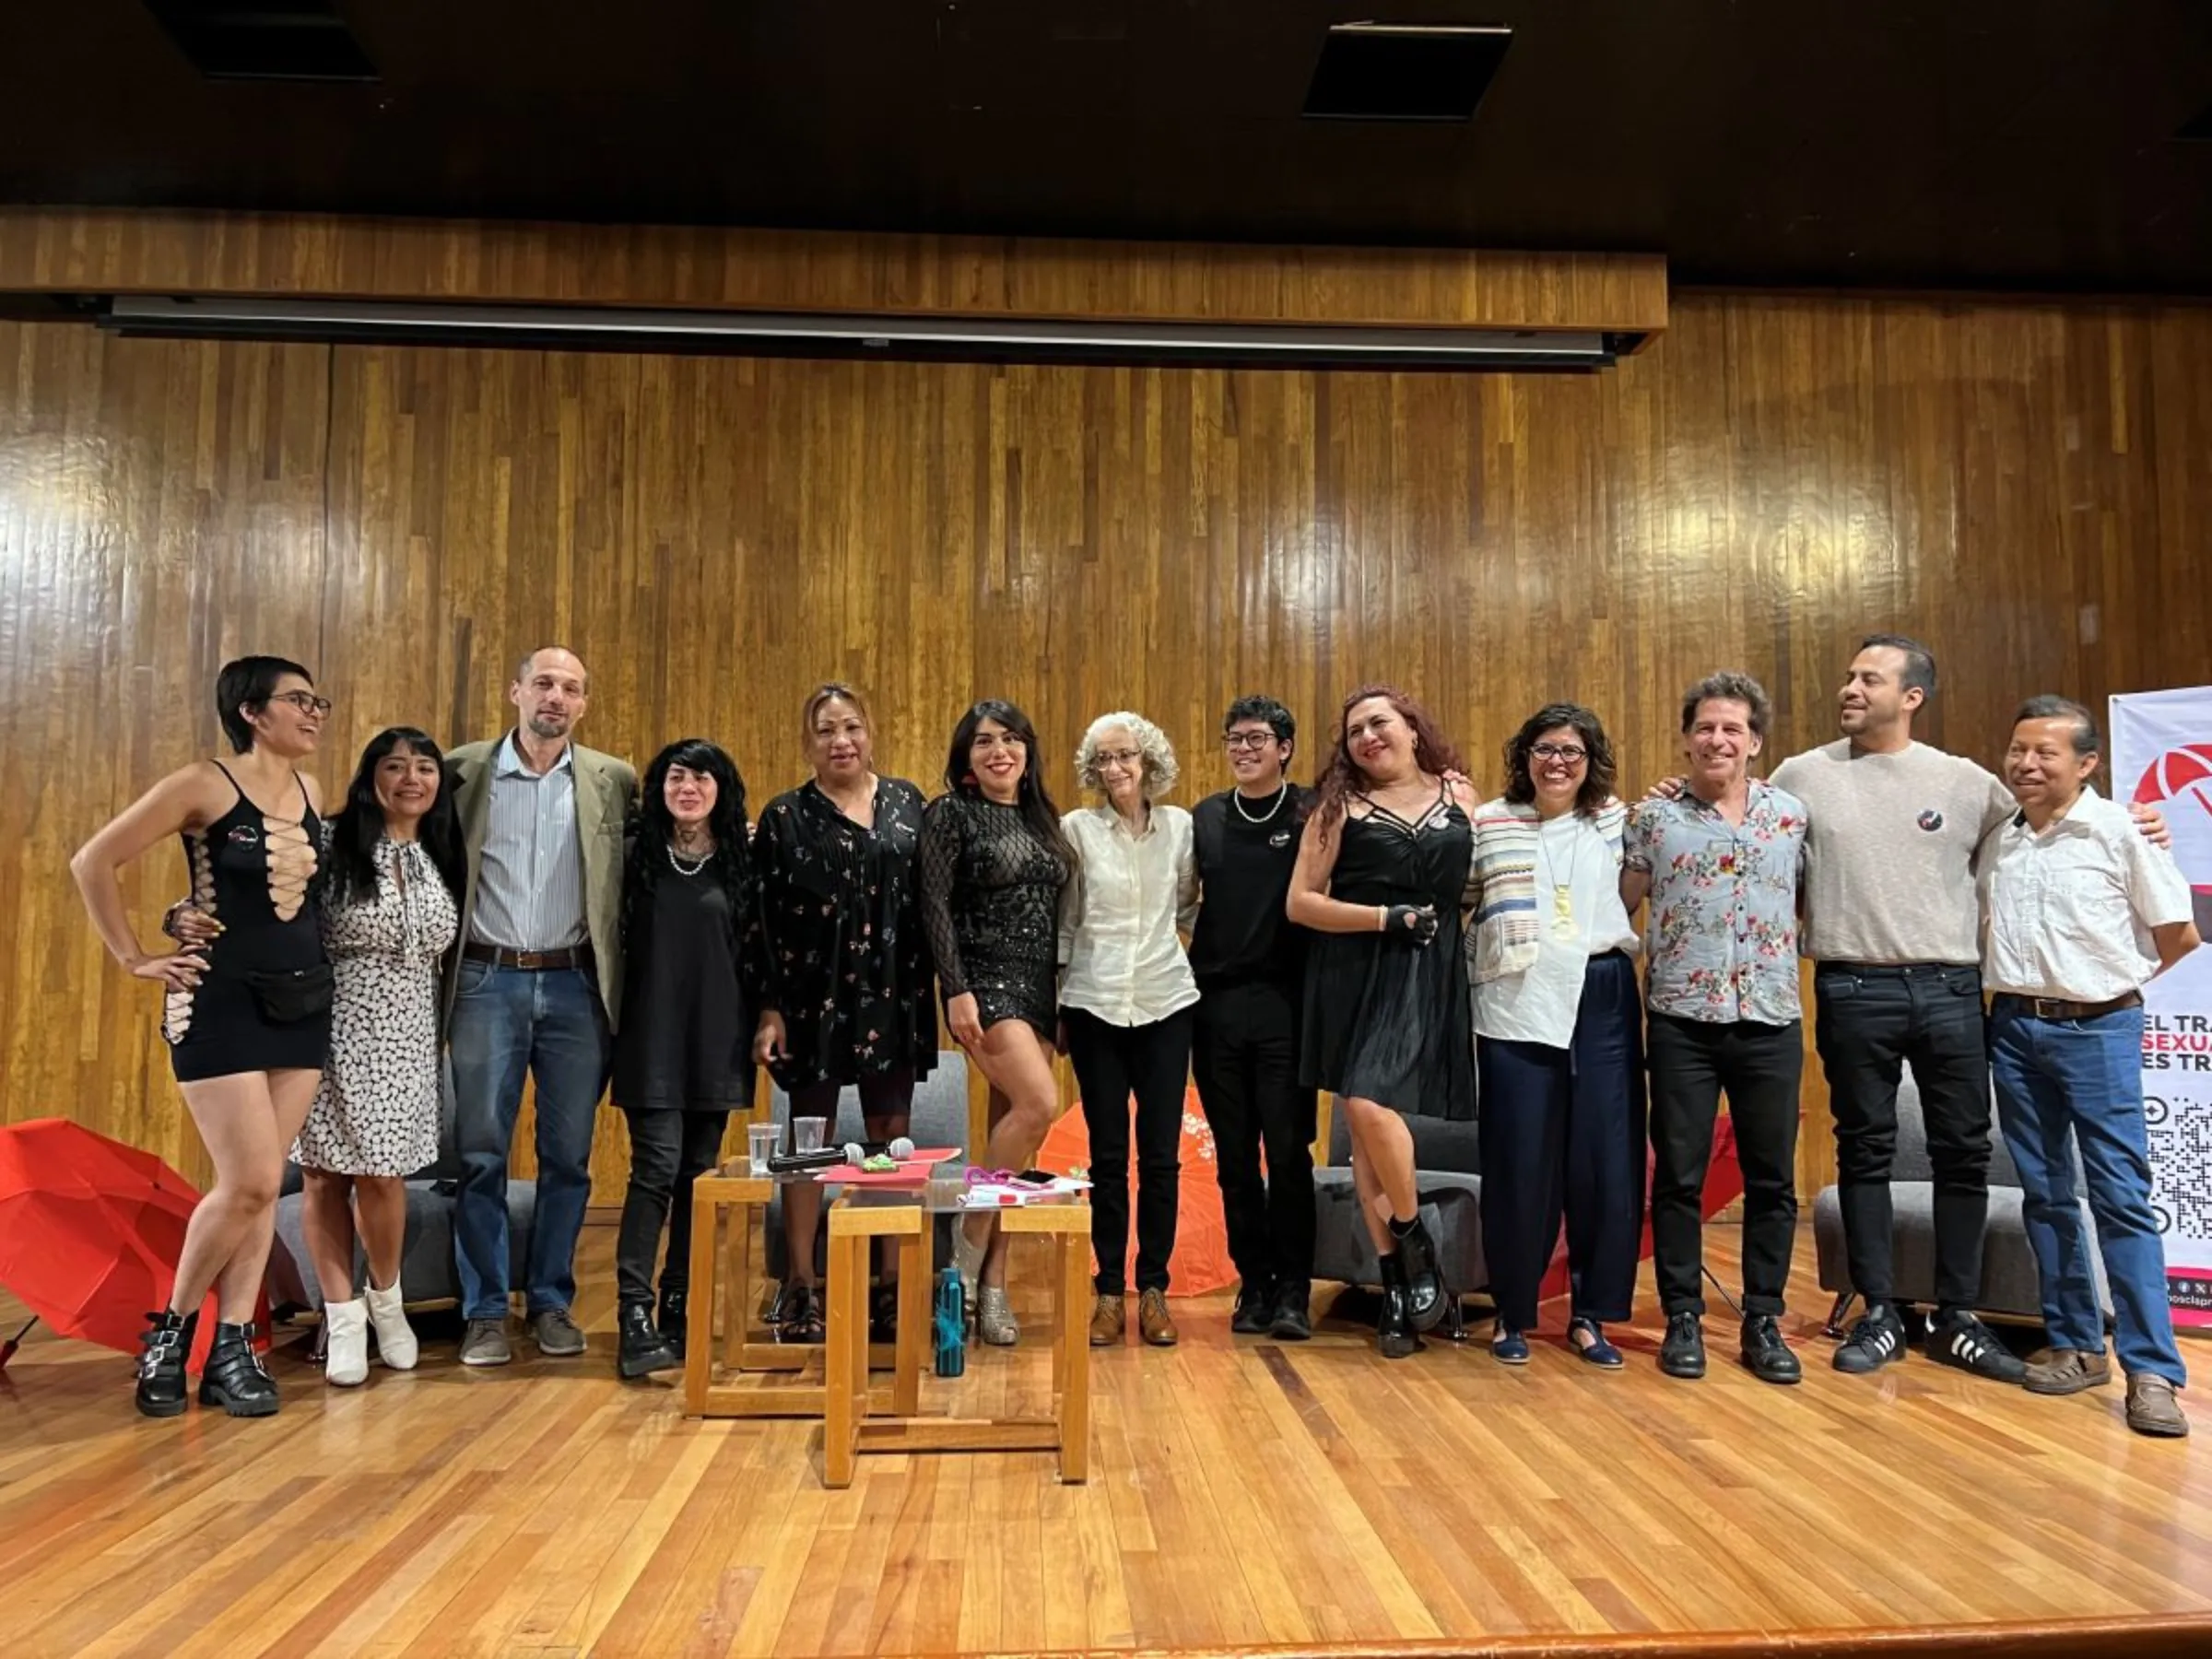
{"x": 1159, "y": 768}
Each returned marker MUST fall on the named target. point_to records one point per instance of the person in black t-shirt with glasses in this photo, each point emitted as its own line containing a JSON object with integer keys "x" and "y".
{"x": 1250, "y": 963}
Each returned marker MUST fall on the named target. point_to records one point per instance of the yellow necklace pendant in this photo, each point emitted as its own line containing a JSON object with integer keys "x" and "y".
{"x": 1562, "y": 912}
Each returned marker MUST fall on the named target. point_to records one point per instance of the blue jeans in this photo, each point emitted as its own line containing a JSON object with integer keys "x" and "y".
{"x": 2067, "y": 1082}
{"x": 506, "y": 1022}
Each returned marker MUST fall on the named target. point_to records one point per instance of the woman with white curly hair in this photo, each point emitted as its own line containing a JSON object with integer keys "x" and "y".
{"x": 1126, "y": 992}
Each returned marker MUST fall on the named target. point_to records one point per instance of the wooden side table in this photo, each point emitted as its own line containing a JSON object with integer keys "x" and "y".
{"x": 848, "y": 1430}
{"x": 724, "y": 1275}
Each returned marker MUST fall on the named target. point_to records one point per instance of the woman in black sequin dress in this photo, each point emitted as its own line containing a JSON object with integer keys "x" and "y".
{"x": 840, "y": 899}
{"x": 992, "y": 864}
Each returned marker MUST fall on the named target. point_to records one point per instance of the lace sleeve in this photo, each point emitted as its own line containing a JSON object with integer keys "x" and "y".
{"x": 940, "y": 859}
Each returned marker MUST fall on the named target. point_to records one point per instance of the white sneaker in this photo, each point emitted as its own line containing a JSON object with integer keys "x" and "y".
{"x": 345, "y": 1360}
{"x": 395, "y": 1343}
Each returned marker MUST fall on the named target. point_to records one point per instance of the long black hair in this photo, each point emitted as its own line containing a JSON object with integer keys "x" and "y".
{"x": 653, "y": 827}
{"x": 1035, "y": 800}
{"x": 358, "y": 826}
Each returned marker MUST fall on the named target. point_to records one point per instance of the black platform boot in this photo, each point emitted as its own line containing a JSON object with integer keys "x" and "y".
{"x": 1394, "y": 1328}
{"x": 1426, "y": 1293}
{"x": 643, "y": 1349}
{"x": 234, "y": 1378}
{"x": 673, "y": 1318}
{"x": 162, "y": 1389}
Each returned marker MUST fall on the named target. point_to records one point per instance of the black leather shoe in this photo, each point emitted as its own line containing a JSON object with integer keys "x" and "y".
{"x": 1682, "y": 1354}
{"x": 1255, "y": 1309}
{"x": 643, "y": 1350}
{"x": 234, "y": 1378}
{"x": 1766, "y": 1354}
{"x": 1425, "y": 1292}
{"x": 1293, "y": 1318}
{"x": 674, "y": 1319}
{"x": 1393, "y": 1326}
{"x": 162, "y": 1389}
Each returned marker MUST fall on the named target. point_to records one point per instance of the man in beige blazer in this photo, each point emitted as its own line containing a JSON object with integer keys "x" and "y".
{"x": 536, "y": 987}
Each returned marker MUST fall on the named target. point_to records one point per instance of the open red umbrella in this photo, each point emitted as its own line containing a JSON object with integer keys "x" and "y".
{"x": 90, "y": 1230}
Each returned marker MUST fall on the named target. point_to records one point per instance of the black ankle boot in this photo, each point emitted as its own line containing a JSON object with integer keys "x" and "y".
{"x": 1393, "y": 1329}
{"x": 234, "y": 1378}
{"x": 643, "y": 1349}
{"x": 162, "y": 1389}
{"x": 1425, "y": 1290}
{"x": 673, "y": 1318}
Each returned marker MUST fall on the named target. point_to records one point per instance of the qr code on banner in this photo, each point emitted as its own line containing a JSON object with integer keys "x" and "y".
{"x": 2180, "y": 1160}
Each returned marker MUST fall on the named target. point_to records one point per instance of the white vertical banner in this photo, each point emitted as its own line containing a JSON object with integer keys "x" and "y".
{"x": 2161, "y": 756}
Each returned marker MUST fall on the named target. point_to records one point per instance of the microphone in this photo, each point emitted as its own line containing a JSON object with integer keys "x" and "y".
{"x": 829, "y": 1158}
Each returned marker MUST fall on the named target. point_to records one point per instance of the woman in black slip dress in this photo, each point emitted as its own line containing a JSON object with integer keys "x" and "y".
{"x": 694, "y": 975}
{"x": 992, "y": 864}
{"x": 247, "y": 1017}
{"x": 1380, "y": 872}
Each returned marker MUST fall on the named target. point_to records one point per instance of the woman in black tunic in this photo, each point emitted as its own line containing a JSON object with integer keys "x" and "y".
{"x": 992, "y": 864}
{"x": 247, "y": 1017}
{"x": 683, "y": 1053}
{"x": 841, "y": 904}
{"x": 1381, "y": 868}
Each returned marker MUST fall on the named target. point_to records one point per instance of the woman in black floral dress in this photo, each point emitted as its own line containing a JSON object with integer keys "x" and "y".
{"x": 992, "y": 863}
{"x": 852, "y": 1003}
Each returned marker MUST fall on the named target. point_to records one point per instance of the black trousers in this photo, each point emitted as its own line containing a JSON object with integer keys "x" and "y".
{"x": 1562, "y": 1138}
{"x": 1759, "y": 1067}
{"x": 1872, "y": 1023}
{"x": 1244, "y": 1060}
{"x": 668, "y": 1150}
{"x": 1112, "y": 1062}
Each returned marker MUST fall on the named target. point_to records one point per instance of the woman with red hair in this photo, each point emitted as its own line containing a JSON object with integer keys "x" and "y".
{"x": 1381, "y": 869}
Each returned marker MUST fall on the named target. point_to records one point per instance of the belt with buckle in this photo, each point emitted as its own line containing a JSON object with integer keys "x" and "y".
{"x": 2057, "y": 1008}
{"x": 529, "y": 961}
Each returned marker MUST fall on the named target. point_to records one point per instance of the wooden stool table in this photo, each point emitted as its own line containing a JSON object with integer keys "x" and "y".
{"x": 848, "y": 1430}
{"x": 724, "y": 1276}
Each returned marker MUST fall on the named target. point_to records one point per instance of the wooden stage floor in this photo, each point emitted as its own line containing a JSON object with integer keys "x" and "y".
{"x": 1244, "y": 1495}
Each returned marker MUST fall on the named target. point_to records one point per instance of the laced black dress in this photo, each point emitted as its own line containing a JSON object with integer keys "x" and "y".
{"x": 990, "y": 902}
{"x": 1385, "y": 1022}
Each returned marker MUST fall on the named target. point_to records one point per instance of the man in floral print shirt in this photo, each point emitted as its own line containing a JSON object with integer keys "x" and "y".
{"x": 1721, "y": 864}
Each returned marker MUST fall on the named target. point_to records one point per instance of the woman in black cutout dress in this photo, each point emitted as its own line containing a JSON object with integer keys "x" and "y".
{"x": 853, "y": 1003}
{"x": 1381, "y": 867}
{"x": 247, "y": 1017}
{"x": 992, "y": 863}
{"x": 695, "y": 972}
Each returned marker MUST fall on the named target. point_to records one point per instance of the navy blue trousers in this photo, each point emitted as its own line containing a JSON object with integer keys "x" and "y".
{"x": 1562, "y": 1133}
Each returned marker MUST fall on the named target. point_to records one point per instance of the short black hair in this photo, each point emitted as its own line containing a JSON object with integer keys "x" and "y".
{"x": 1597, "y": 783}
{"x": 1729, "y": 685}
{"x": 247, "y": 683}
{"x": 1259, "y": 707}
{"x": 2088, "y": 740}
{"x": 1920, "y": 662}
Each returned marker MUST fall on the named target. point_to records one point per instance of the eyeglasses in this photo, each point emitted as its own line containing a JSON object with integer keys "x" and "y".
{"x": 1247, "y": 740}
{"x": 1106, "y": 757}
{"x": 307, "y": 702}
{"x": 1568, "y": 752}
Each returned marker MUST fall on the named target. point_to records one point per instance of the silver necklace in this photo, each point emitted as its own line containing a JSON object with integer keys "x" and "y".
{"x": 1281, "y": 794}
{"x": 681, "y": 869}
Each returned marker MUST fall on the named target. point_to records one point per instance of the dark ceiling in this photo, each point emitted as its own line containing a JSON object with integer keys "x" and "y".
{"x": 2018, "y": 144}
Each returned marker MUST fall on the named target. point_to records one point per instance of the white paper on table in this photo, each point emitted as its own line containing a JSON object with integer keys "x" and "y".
{"x": 999, "y": 1194}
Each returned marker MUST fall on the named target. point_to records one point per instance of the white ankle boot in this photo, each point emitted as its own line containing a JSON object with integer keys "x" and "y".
{"x": 346, "y": 1354}
{"x": 394, "y": 1336}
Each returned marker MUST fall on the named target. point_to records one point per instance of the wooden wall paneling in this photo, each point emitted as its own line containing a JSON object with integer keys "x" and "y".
{"x": 121, "y": 251}
{"x": 713, "y": 535}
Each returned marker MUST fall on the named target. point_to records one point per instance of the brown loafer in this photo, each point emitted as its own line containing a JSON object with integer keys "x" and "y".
{"x": 1108, "y": 1315}
{"x": 2068, "y": 1371}
{"x": 1153, "y": 1321}
{"x": 2152, "y": 1409}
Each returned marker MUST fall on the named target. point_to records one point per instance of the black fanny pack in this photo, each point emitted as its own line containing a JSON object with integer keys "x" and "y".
{"x": 289, "y": 998}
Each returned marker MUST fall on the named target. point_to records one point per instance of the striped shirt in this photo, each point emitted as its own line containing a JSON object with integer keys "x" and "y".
{"x": 530, "y": 882}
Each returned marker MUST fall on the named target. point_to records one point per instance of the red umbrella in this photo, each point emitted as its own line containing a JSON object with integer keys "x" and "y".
{"x": 90, "y": 1230}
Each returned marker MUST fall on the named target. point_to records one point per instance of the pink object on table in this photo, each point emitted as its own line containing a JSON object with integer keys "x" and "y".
{"x": 911, "y": 1171}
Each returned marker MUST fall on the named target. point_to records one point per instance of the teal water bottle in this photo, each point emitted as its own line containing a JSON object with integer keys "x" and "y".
{"x": 949, "y": 1323}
